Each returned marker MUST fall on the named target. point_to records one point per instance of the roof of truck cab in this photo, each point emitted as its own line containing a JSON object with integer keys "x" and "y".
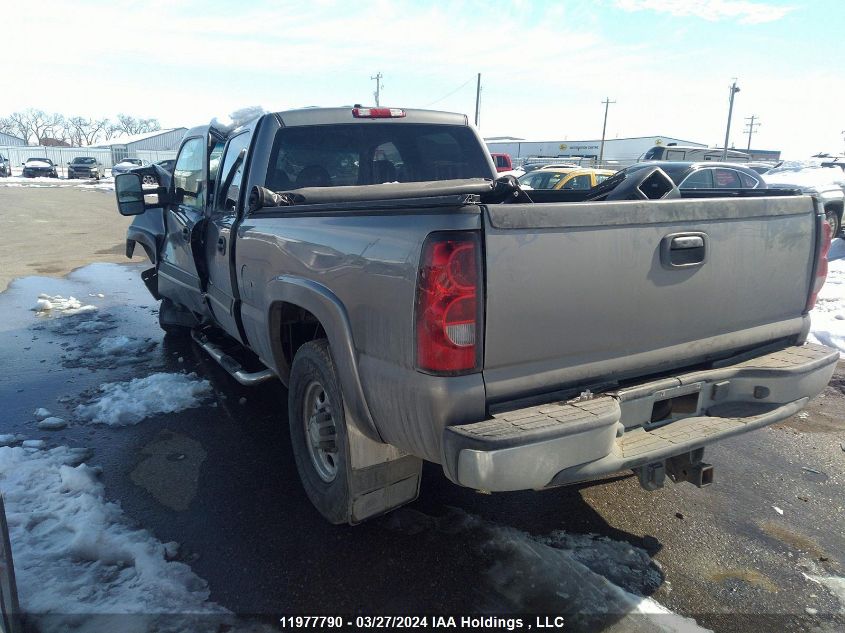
{"x": 334, "y": 116}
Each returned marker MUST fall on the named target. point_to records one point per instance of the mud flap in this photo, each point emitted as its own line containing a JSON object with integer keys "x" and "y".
{"x": 149, "y": 277}
{"x": 381, "y": 476}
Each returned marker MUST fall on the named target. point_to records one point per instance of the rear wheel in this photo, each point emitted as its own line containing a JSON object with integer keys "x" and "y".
{"x": 835, "y": 222}
{"x": 149, "y": 180}
{"x": 318, "y": 430}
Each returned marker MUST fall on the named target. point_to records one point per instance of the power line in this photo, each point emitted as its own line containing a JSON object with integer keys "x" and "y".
{"x": 446, "y": 96}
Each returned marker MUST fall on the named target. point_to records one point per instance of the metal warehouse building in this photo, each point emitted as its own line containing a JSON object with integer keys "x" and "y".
{"x": 144, "y": 145}
{"x": 8, "y": 139}
{"x": 623, "y": 150}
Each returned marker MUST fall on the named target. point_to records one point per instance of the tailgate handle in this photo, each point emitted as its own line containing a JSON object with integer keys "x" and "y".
{"x": 683, "y": 250}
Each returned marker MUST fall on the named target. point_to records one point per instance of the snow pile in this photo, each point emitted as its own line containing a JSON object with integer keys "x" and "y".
{"x": 828, "y": 317}
{"x": 76, "y": 556}
{"x": 125, "y": 403}
{"x": 40, "y": 182}
{"x": 108, "y": 352}
{"x": 114, "y": 345}
{"x": 57, "y": 304}
{"x": 237, "y": 118}
{"x": 590, "y": 578}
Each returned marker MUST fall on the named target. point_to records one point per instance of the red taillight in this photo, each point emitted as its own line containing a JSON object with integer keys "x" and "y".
{"x": 821, "y": 267}
{"x": 378, "y": 113}
{"x": 448, "y": 310}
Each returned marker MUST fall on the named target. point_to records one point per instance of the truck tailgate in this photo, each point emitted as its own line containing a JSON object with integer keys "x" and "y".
{"x": 587, "y": 292}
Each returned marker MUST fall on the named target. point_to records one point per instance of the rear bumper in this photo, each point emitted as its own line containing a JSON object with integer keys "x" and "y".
{"x": 565, "y": 442}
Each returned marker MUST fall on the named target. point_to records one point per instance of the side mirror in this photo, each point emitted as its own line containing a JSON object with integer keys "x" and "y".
{"x": 68, "y": 162}
{"x": 130, "y": 194}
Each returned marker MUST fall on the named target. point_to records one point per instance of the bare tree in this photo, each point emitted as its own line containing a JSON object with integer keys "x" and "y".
{"x": 36, "y": 126}
{"x": 130, "y": 125}
{"x": 86, "y": 131}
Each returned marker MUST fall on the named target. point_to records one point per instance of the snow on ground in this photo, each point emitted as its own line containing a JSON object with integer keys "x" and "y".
{"x": 828, "y": 317}
{"x": 129, "y": 402}
{"x": 834, "y": 584}
{"x": 77, "y": 560}
{"x": 106, "y": 184}
{"x": 593, "y": 579}
{"x": 55, "y": 305}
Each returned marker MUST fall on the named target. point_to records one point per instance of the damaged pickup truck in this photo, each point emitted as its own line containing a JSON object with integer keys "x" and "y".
{"x": 417, "y": 309}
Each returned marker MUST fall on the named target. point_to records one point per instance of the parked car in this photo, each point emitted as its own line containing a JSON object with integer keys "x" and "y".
{"x": 825, "y": 183}
{"x": 564, "y": 178}
{"x": 85, "y": 167}
{"x": 39, "y": 167}
{"x": 502, "y": 162}
{"x": 5, "y": 166}
{"x": 417, "y": 309}
{"x": 705, "y": 175}
{"x": 127, "y": 164}
{"x": 167, "y": 165}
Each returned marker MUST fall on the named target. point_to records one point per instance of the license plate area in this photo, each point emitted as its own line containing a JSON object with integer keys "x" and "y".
{"x": 677, "y": 403}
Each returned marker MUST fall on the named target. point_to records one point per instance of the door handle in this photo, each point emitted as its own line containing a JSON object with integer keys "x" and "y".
{"x": 683, "y": 250}
{"x": 221, "y": 245}
{"x": 687, "y": 241}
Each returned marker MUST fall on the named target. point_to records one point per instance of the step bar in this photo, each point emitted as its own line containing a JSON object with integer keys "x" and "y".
{"x": 232, "y": 367}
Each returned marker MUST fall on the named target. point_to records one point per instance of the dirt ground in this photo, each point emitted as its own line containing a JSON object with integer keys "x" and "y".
{"x": 52, "y": 230}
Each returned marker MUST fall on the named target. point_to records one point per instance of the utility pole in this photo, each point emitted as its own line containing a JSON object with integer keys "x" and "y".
{"x": 477, "y": 99}
{"x": 734, "y": 89}
{"x": 750, "y": 128}
{"x": 606, "y": 103}
{"x": 379, "y": 86}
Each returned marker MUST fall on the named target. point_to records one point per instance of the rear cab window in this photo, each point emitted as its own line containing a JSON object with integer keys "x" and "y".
{"x": 355, "y": 154}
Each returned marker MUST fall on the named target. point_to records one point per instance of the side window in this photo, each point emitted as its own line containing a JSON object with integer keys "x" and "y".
{"x": 578, "y": 182}
{"x": 726, "y": 179}
{"x": 600, "y": 178}
{"x": 231, "y": 174}
{"x": 748, "y": 182}
{"x": 214, "y": 160}
{"x": 552, "y": 180}
{"x": 187, "y": 174}
{"x": 701, "y": 179}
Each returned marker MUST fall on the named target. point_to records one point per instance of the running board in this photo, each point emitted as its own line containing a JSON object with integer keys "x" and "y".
{"x": 228, "y": 363}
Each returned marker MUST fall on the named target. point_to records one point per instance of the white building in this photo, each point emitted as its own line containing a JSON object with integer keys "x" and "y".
{"x": 621, "y": 150}
{"x": 150, "y": 145}
{"x": 8, "y": 140}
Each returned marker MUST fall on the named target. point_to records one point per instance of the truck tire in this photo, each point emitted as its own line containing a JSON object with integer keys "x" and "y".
{"x": 318, "y": 430}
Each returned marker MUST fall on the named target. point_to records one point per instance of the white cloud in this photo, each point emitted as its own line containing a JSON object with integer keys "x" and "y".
{"x": 743, "y": 11}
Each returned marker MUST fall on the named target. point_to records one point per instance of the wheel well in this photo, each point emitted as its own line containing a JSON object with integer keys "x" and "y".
{"x": 296, "y": 326}
{"x": 835, "y": 206}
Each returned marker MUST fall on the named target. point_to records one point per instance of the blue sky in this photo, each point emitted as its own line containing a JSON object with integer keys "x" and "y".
{"x": 546, "y": 65}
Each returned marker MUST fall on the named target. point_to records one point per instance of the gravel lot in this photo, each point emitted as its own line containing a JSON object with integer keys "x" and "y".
{"x": 51, "y": 230}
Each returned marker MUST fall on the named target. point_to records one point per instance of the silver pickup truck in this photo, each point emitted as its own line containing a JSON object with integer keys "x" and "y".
{"x": 417, "y": 309}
